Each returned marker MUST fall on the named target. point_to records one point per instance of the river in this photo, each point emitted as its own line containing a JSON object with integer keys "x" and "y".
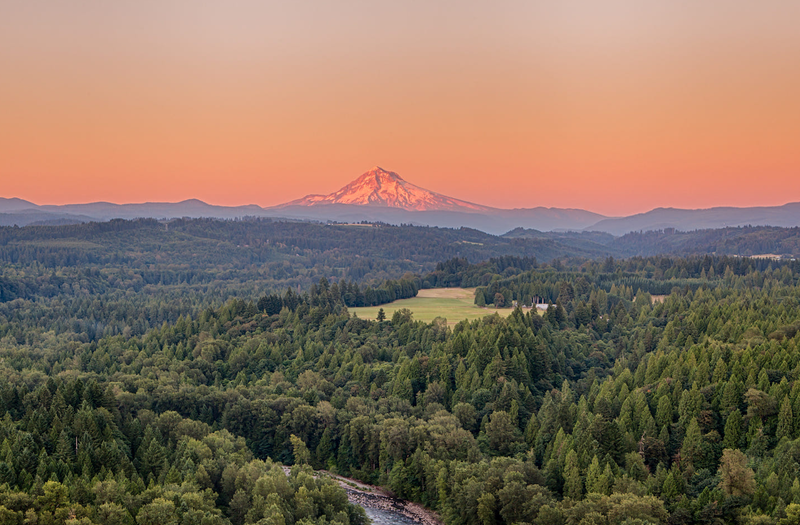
{"x": 388, "y": 517}
{"x": 384, "y": 509}
{"x": 381, "y": 507}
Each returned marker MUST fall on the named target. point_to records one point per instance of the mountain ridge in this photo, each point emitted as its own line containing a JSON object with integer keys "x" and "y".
{"x": 379, "y": 195}
{"x": 682, "y": 219}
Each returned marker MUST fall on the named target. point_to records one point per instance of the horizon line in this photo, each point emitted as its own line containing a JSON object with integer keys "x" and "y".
{"x": 284, "y": 204}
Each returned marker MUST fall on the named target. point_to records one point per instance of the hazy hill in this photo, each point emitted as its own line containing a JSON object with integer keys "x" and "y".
{"x": 596, "y": 243}
{"x": 39, "y": 217}
{"x": 191, "y": 208}
{"x": 787, "y": 215}
{"x": 14, "y": 204}
{"x": 743, "y": 241}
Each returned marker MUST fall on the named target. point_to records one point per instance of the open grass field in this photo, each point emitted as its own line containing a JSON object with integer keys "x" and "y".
{"x": 454, "y": 304}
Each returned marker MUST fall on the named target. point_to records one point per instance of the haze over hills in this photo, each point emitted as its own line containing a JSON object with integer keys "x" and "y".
{"x": 380, "y": 195}
{"x": 786, "y": 216}
{"x": 376, "y": 196}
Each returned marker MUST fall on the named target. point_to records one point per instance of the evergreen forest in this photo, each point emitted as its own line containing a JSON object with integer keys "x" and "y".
{"x": 165, "y": 373}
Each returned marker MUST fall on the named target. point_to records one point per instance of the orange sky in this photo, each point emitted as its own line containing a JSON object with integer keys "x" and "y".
{"x": 615, "y": 106}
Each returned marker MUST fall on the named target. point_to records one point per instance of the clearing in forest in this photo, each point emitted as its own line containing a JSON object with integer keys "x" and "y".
{"x": 454, "y": 304}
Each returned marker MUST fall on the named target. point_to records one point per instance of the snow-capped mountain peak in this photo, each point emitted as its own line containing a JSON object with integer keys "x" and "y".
{"x": 382, "y": 188}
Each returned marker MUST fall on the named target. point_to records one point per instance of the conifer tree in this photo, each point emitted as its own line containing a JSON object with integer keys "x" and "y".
{"x": 785, "y": 420}
{"x": 691, "y": 450}
{"x": 733, "y": 430}
{"x": 593, "y": 474}
{"x": 573, "y": 484}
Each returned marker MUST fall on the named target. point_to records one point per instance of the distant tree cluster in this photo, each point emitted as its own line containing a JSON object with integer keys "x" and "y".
{"x": 344, "y": 293}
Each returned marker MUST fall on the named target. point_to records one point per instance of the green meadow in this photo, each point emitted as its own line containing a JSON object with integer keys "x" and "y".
{"x": 454, "y": 304}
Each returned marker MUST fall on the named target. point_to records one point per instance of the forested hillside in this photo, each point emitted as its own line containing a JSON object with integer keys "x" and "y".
{"x": 610, "y": 407}
{"x": 741, "y": 241}
{"x": 192, "y": 251}
{"x": 126, "y": 277}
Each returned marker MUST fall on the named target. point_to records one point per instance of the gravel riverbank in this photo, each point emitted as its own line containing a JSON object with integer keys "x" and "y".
{"x": 414, "y": 512}
{"x": 385, "y": 507}
{"x": 382, "y": 501}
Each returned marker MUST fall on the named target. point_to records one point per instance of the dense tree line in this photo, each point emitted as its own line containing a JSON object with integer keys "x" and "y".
{"x": 345, "y": 293}
{"x": 528, "y": 283}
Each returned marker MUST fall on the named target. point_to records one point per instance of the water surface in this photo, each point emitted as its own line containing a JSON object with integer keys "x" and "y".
{"x": 388, "y": 517}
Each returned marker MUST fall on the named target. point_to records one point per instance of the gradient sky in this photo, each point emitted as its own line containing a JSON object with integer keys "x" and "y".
{"x": 612, "y": 106}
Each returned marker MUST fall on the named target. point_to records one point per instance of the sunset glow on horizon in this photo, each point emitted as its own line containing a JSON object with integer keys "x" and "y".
{"x": 615, "y": 107}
